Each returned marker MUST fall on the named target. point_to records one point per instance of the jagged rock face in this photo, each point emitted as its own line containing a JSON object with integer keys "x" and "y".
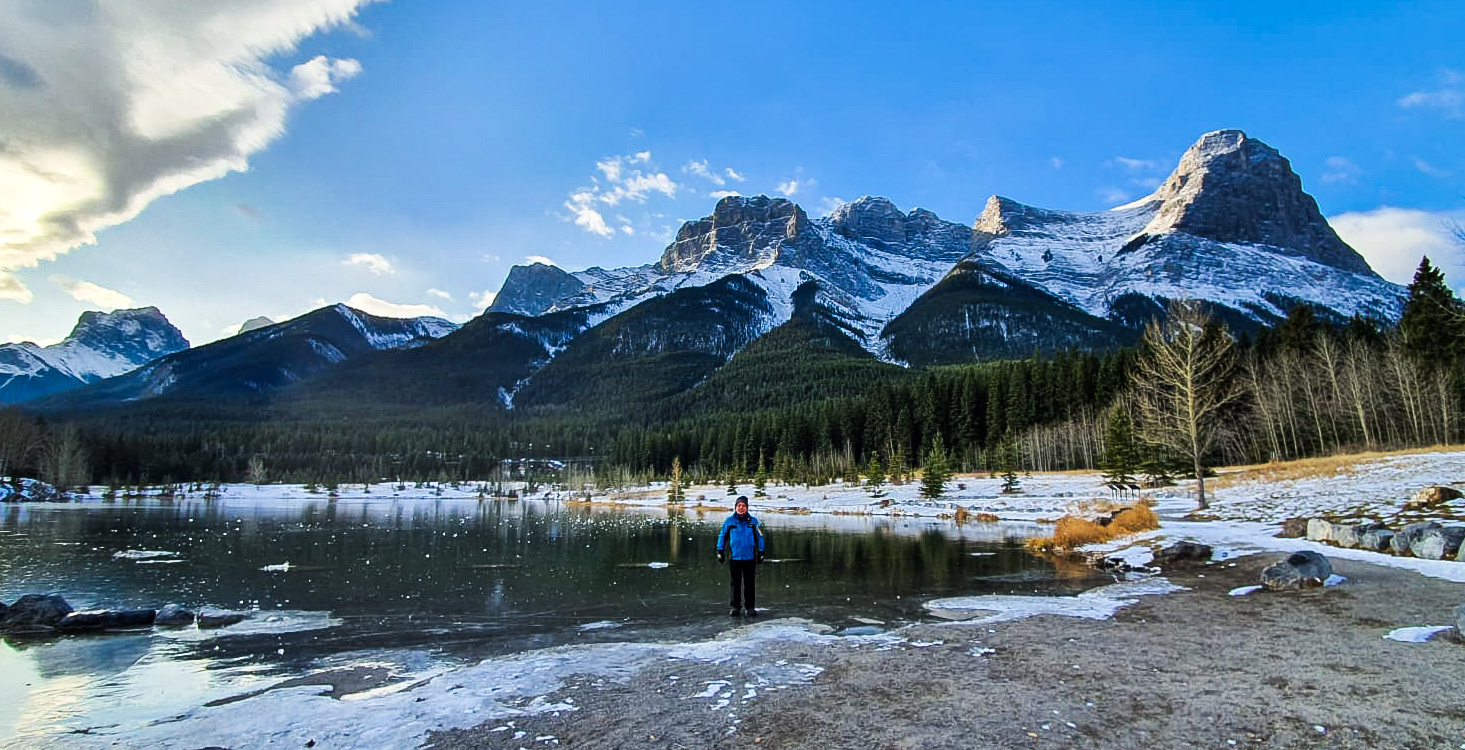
{"x": 534, "y": 289}
{"x": 740, "y": 230}
{"x": 1232, "y": 188}
{"x": 102, "y": 345}
{"x": 254, "y": 324}
{"x": 876, "y": 222}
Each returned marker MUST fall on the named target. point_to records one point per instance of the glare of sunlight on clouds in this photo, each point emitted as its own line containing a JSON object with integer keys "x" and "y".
{"x": 373, "y": 262}
{"x": 93, "y": 294}
{"x": 106, "y": 107}
{"x": 1393, "y": 240}
{"x": 382, "y": 308}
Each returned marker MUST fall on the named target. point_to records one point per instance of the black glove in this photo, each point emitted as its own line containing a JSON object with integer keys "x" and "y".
{"x": 758, "y": 560}
{"x": 721, "y": 556}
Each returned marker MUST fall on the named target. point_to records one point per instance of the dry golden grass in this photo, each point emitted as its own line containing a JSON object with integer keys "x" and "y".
{"x": 1071, "y": 532}
{"x": 1311, "y": 468}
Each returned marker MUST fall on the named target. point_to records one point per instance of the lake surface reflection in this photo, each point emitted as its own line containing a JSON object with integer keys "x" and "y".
{"x": 458, "y": 579}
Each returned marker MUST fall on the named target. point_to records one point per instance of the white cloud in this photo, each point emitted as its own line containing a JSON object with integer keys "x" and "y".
{"x": 792, "y": 187}
{"x": 374, "y": 306}
{"x": 828, "y": 203}
{"x": 1449, "y": 98}
{"x": 1430, "y": 169}
{"x": 628, "y": 182}
{"x": 627, "y": 229}
{"x": 17, "y": 338}
{"x": 373, "y": 262}
{"x": 1056, "y": 162}
{"x": 1338, "y": 169}
{"x": 440, "y": 294}
{"x": 1113, "y": 195}
{"x": 106, "y": 107}
{"x": 700, "y": 169}
{"x": 93, "y": 294}
{"x": 720, "y": 194}
{"x": 733, "y": 174}
{"x": 1393, "y": 240}
{"x": 1136, "y": 165}
{"x": 532, "y": 259}
{"x": 481, "y": 300}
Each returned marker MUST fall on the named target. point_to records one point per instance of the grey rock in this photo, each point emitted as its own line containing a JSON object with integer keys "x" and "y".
{"x": 1319, "y": 530}
{"x": 210, "y": 619}
{"x": 35, "y": 612}
{"x": 1183, "y": 552}
{"x": 1377, "y": 540}
{"x": 535, "y": 289}
{"x": 1441, "y": 543}
{"x": 1300, "y": 569}
{"x": 173, "y": 616}
{"x": 1294, "y": 528}
{"x": 1404, "y": 540}
{"x": 1351, "y": 535}
{"x": 104, "y": 619}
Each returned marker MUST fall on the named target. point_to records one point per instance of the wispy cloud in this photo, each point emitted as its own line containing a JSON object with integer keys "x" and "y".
{"x": 159, "y": 96}
{"x": 93, "y": 294}
{"x": 700, "y": 169}
{"x": 828, "y": 203}
{"x": 440, "y": 294}
{"x": 1393, "y": 240}
{"x": 1430, "y": 169}
{"x": 625, "y": 180}
{"x": 1056, "y": 163}
{"x": 1448, "y": 97}
{"x": 1339, "y": 170}
{"x": 1113, "y": 195}
{"x": 790, "y": 188}
{"x": 733, "y": 174}
{"x": 720, "y": 194}
{"x": 1136, "y": 165}
{"x": 532, "y": 259}
{"x": 376, "y": 306}
{"x": 481, "y": 300}
{"x": 373, "y": 262}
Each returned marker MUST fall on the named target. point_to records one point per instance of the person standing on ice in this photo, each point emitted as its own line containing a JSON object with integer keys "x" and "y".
{"x": 740, "y": 544}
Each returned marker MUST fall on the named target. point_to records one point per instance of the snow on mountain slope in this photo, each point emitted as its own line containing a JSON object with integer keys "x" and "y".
{"x": 101, "y": 345}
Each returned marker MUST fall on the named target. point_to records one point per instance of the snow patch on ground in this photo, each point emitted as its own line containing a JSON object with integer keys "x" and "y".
{"x": 1095, "y": 604}
{"x": 1418, "y": 634}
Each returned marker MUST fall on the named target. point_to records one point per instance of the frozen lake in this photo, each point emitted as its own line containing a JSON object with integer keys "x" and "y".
{"x": 443, "y": 580}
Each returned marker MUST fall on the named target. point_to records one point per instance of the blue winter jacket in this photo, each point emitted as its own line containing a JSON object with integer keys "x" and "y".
{"x": 742, "y": 537}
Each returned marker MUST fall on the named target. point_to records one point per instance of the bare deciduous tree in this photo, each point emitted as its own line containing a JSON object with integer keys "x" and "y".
{"x": 1183, "y": 382}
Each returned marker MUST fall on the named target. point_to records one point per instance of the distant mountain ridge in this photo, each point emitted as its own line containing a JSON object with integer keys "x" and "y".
{"x": 101, "y": 345}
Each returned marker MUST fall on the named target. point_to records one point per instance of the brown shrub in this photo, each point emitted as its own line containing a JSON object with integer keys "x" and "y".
{"x": 1071, "y": 532}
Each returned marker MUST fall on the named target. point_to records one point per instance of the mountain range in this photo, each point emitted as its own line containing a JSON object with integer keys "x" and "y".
{"x": 864, "y": 288}
{"x": 102, "y": 345}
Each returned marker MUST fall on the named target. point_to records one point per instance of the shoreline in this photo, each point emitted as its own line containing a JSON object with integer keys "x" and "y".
{"x": 1198, "y": 667}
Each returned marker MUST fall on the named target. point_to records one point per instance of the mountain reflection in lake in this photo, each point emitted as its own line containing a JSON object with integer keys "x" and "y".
{"x": 462, "y": 578}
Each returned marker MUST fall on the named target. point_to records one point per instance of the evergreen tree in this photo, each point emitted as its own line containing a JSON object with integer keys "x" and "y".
{"x": 732, "y": 484}
{"x": 1010, "y": 483}
{"x": 897, "y": 467}
{"x": 1432, "y": 327}
{"x": 874, "y": 475}
{"x": 935, "y": 472}
{"x": 760, "y": 480}
{"x": 1120, "y": 457}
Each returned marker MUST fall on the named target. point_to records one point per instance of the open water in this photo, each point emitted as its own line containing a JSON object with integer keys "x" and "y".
{"x": 454, "y": 580}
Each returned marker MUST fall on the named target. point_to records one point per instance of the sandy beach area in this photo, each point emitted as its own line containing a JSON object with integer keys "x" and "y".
{"x": 1195, "y": 668}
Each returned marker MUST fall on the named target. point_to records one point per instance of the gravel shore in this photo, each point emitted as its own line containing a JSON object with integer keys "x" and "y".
{"x": 1196, "y": 668}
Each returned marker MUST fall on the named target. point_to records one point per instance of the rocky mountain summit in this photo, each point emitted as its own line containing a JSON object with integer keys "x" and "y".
{"x": 101, "y": 345}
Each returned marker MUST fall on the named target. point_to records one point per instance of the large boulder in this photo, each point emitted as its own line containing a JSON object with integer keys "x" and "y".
{"x": 1319, "y": 530}
{"x": 217, "y": 618}
{"x": 1183, "y": 552}
{"x": 1351, "y": 535}
{"x": 1442, "y": 543}
{"x": 1294, "y": 528}
{"x": 1377, "y": 540}
{"x": 104, "y": 619}
{"x": 1431, "y": 496}
{"x": 1306, "y": 568}
{"x": 173, "y": 616}
{"x": 1406, "y": 537}
{"x": 35, "y": 612}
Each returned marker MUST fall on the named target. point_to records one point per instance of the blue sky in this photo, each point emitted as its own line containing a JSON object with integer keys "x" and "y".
{"x": 267, "y": 157}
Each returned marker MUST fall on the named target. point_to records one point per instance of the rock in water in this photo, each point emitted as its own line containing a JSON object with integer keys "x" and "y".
{"x": 218, "y": 619}
{"x": 103, "y": 619}
{"x": 34, "y": 612}
{"x": 173, "y": 616}
{"x": 1306, "y": 568}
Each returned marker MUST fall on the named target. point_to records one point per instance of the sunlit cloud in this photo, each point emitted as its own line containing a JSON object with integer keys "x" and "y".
{"x": 373, "y": 262}
{"x": 440, "y": 294}
{"x": 626, "y": 180}
{"x": 1136, "y": 165}
{"x": 1431, "y": 170}
{"x": 481, "y": 300}
{"x": 106, "y": 107}
{"x": 790, "y": 188}
{"x": 720, "y": 194}
{"x": 532, "y": 259}
{"x": 380, "y": 307}
{"x": 828, "y": 203}
{"x": 93, "y": 294}
{"x": 1393, "y": 240}
{"x": 733, "y": 174}
{"x": 1448, "y": 98}
{"x": 1339, "y": 169}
